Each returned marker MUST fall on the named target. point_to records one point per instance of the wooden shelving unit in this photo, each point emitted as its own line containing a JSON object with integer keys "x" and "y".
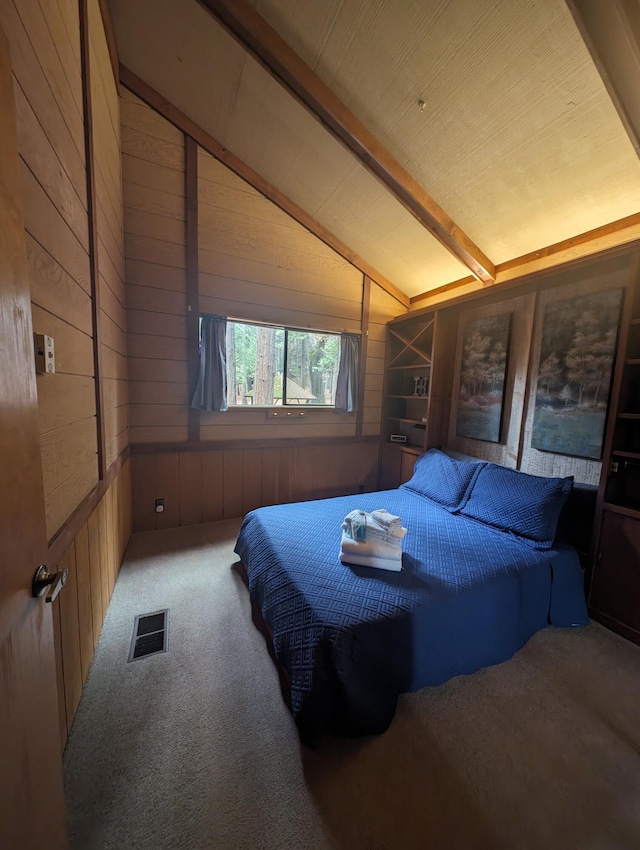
{"x": 614, "y": 591}
{"x": 417, "y": 390}
{"x": 408, "y": 379}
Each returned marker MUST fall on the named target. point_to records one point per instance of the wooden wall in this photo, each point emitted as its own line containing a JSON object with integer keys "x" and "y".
{"x": 77, "y": 292}
{"x": 48, "y": 84}
{"x": 153, "y": 161}
{"x": 256, "y": 263}
{"x": 382, "y": 308}
{"x": 252, "y": 261}
{"x": 93, "y": 560}
{"x": 45, "y": 51}
{"x": 212, "y": 484}
{"x": 110, "y": 248}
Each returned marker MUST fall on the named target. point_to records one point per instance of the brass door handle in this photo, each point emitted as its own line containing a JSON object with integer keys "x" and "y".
{"x": 43, "y": 579}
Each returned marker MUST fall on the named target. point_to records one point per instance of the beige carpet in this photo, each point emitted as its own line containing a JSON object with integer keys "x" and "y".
{"x": 195, "y": 749}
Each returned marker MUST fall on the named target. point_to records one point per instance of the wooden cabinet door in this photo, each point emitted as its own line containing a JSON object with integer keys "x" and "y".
{"x": 31, "y": 798}
{"x": 615, "y": 585}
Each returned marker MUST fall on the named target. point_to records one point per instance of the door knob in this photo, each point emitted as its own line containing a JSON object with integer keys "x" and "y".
{"x": 44, "y": 580}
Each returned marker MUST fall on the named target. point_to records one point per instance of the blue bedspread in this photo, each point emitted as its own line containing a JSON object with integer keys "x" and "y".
{"x": 353, "y": 638}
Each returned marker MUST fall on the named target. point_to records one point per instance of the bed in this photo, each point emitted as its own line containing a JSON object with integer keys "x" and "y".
{"x": 483, "y": 569}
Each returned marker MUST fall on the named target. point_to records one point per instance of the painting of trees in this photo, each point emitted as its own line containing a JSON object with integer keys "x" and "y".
{"x": 576, "y": 358}
{"x": 483, "y": 366}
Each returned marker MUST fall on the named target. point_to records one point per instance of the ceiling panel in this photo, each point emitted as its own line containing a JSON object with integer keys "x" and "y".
{"x": 518, "y": 140}
{"x": 192, "y": 62}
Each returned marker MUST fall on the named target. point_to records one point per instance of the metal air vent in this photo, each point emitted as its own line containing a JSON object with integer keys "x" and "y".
{"x": 150, "y": 634}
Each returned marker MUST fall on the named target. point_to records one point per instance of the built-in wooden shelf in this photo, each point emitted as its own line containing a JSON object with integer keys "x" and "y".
{"x": 629, "y": 416}
{"x": 631, "y": 508}
{"x": 410, "y": 421}
{"x": 630, "y": 455}
{"x": 634, "y": 361}
{"x": 409, "y": 365}
{"x": 423, "y": 366}
{"x": 408, "y": 448}
{"x": 422, "y": 397}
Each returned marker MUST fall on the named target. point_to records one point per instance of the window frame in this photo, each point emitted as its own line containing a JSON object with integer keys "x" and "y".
{"x": 284, "y": 403}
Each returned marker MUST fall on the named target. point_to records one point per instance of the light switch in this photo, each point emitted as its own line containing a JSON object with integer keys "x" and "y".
{"x": 45, "y": 354}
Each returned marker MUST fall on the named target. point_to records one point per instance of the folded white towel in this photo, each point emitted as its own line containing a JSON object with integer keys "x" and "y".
{"x": 371, "y": 548}
{"x": 385, "y": 519}
{"x": 393, "y": 564}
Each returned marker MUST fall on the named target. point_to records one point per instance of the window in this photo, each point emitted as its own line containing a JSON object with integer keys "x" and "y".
{"x": 259, "y": 355}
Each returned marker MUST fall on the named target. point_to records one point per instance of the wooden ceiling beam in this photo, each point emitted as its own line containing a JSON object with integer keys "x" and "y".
{"x": 250, "y": 29}
{"x": 611, "y": 33}
{"x": 207, "y": 142}
{"x": 616, "y": 236}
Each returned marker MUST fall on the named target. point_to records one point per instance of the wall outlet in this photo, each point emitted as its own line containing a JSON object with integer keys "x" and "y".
{"x": 159, "y": 506}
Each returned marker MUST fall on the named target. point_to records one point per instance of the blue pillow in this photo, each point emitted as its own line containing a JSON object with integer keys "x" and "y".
{"x": 442, "y": 479}
{"x": 526, "y": 505}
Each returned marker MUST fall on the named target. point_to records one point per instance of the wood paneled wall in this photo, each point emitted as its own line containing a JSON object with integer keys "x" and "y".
{"x": 382, "y": 308}
{"x": 51, "y": 75}
{"x": 254, "y": 262}
{"x": 93, "y": 560}
{"x": 108, "y": 184}
{"x": 45, "y": 50}
{"x": 153, "y": 162}
{"x": 257, "y": 263}
{"x": 48, "y": 83}
{"x": 212, "y": 484}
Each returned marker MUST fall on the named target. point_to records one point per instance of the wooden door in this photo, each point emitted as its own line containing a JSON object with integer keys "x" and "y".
{"x": 31, "y": 797}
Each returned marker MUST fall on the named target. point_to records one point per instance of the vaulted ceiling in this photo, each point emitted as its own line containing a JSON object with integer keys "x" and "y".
{"x": 495, "y": 109}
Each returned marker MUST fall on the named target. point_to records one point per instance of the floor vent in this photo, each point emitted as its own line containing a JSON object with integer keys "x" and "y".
{"x": 150, "y": 634}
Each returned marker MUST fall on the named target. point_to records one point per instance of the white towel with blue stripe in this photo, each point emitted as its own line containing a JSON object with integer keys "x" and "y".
{"x": 372, "y": 541}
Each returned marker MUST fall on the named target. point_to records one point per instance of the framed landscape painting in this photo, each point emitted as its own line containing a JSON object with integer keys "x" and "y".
{"x": 483, "y": 368}
{"x": 574, "y": 375}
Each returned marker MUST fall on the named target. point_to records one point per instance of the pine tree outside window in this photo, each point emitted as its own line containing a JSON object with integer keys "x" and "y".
{"x": 260, "y": 356}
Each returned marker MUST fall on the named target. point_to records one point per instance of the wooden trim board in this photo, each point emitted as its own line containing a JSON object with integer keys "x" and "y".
{"x": 65, "y": 535}
{"x": 616, "y": 237}
{"x": 226, "y": 445}
{"x": 193, "y": 296}
{"x": 93, "y": 233}
{"x": 364, "y": 339}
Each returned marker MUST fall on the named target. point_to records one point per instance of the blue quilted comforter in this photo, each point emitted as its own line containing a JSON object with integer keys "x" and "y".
{"x": 351, "y": 639}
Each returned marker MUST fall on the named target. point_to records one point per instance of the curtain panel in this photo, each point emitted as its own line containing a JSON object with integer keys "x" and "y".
{"x": 347, "y": 383}
{"x": 211, "y": 389}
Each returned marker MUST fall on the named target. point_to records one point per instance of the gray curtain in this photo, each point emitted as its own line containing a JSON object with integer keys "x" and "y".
{"x": 347, "y": 383}
{"x": 211, "y": 389}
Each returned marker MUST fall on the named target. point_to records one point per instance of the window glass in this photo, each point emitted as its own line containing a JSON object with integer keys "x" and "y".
{"x": 257, "y": 356}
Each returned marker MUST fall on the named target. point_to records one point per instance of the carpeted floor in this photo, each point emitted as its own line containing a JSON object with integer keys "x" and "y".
{"x": 195, "y": 749}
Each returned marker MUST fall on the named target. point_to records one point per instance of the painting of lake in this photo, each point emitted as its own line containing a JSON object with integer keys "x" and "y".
{"x": 483, "y": 367}
{"x": 574, "y": 376}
